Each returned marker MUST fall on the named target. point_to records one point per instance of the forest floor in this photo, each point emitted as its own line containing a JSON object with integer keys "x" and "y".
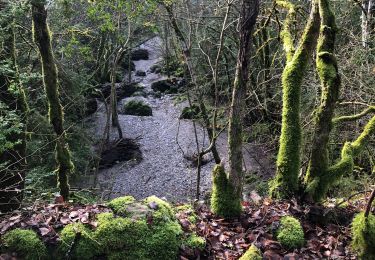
{"x": 165, "y": 142}
{"x": 327, "y": 229}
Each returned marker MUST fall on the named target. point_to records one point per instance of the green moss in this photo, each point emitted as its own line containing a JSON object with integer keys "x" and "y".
{"x": 285, "y": 183}
{"x": 163, "y": 210}
{"x": 290, "y": 233}
{"x": 189, "y": 211}
{"x": 148, "y": 230}
{"x": 137, "y": 108}
{"x": 118, "y": 205}
{"x": 194, "y": 242}
{"x": 253, "y": 253}
{"x": 25, "y": 243}
{"x": 363, "y": 235}
{"x": 86, "y": 248}
{"x": 224, "y": 201}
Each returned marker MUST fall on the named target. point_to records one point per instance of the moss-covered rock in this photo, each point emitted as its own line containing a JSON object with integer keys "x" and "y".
{"x": 150, "y": 230}
{"x": 118, "y": 205}
{"x": 25, "y": 243}
{"x": 290, "y": 233}
{"x": 192, "y": 112}
{"x": 253, "y": 253}
{"x": 168, "y": 86}
{"x": 224, "y": 201}
{"x": 146, "y": 229}
{"x": 137, "y": 108}
{"x": 139, "y": 54}
{"x": 363, "y": 235}
{"x": 86, "y": 246}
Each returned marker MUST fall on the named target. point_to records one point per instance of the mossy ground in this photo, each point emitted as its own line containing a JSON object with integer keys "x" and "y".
{"x": 253, "y": 253}
{"x": 290, "y": 233}
{"x": 363, "y": 235}
{"x": 25, "y": 243}
{"x": 137, "y": 108}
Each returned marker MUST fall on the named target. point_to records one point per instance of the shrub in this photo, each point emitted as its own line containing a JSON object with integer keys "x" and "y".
{"x": 137, "y": 108}
{"x": 290, "y": 233}
{"x": 25, "y": 243}
{"x": 192, "y": 112}
{"x": 363, "y": 235}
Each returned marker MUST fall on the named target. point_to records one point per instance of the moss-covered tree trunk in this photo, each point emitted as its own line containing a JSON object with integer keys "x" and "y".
{"x": 285, "y": 183}
{"x": 330, "y": 82}
{"x": 249, "y": 13}
{"x": 42, "y": 38}
{"x": 227, "y": 190}
{"x": 12, "y": 173}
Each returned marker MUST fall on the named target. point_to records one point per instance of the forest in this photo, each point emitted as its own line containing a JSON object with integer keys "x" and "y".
{"x": 187, "y": 129}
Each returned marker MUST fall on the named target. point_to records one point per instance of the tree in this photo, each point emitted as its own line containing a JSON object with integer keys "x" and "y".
{"x": 285, "y": 183}
{"x": 13, "y": 115}
{"x": 220, "y": 203}
{"x": 42, "y": 39}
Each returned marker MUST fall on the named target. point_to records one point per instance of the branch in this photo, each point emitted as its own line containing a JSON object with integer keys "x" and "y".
{"x": 370, "y": 109}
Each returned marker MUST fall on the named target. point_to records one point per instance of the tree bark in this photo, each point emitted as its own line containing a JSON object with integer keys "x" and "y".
{"x": 56, "y": 116}
{"x": 249, "y": 13}
{"x": 330, "y": 82}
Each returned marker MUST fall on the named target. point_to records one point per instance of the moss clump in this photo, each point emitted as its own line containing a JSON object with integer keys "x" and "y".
{"x": 194, "y": 242}
{"x": 192, "y": 112}
{"x": 118, "y": 205}
{"x": 290, "y": 233}
{"x": 86, "y": 247}
{"x": 150, "y": 230}
{"x": 224, "y": 201}
{"x": 253, "y": 253}
{"x": 363, "y": 234}
{"x": 137, "y": 108}
{"x": 144, "y": 230}
{"x": 25, "y": 243}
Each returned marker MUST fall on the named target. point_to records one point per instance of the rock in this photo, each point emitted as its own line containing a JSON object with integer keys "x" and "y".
{"x": 125, "y": 64}
{"x": 139, "y": 54}
{"x": 155, "y": 69}
{"x": 137, "y": 108}
{"x": 91, "y": 106}
{"x": 168, "y": 86}
{"x": 140, "y": 73}
{"x": 123, "y": 90}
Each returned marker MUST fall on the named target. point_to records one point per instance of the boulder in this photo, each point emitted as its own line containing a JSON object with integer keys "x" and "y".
{"x": 139, "y": 54}
{"x": 140, "y": 73}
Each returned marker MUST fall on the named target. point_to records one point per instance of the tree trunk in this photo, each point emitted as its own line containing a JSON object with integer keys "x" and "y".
{"x": 56, "y": 116}
{"x": 12, "y": 174}
{"x": 285, "y": 184}
{"x": 249, "y": 13}
{"x": 330, "y": 81}
{"x": 227, "y": 190}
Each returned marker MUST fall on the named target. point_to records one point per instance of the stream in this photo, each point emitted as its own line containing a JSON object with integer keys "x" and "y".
{"x": 165, "y": 142}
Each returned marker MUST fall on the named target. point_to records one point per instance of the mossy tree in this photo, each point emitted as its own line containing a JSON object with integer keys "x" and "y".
{"x": 285, "y": 183}
{"x": 320, "y": 175}
{"x": 42, "y": 39}
{"x": 326, "y": 65}
{"x": 249, "y": 14}
{"x": 13, "y": 154}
